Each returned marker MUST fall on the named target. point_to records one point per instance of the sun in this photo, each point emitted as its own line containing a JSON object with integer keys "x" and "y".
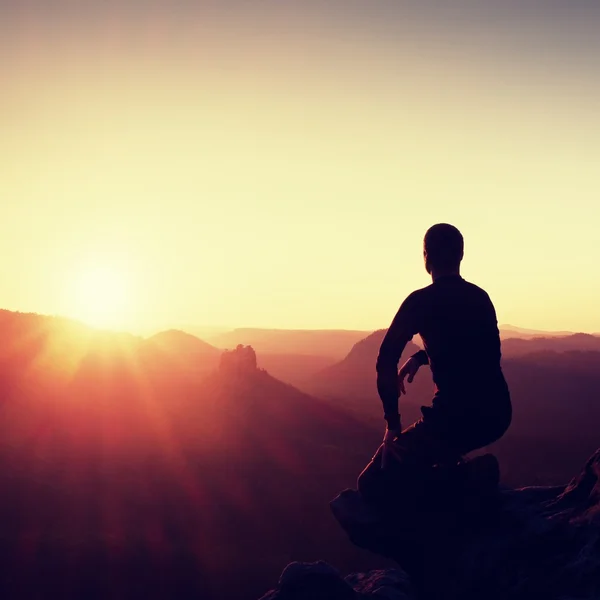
{"x": 101, "y": 297}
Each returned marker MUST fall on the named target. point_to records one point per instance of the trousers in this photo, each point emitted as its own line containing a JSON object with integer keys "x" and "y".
{"x": 440, "y": 437}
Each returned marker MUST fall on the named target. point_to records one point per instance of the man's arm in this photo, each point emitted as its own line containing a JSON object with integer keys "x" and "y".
{"x": 401, "y": 331}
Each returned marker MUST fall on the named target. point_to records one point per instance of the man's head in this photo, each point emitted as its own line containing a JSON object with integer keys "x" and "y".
{"x": 443, "y": 248}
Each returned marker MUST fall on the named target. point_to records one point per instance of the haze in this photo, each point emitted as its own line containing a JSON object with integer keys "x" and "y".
{"x": 254, "y": 164}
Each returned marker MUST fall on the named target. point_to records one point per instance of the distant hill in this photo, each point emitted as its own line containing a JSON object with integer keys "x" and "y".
{"x": 322, "y": 342}
{"x": 510, "y": 331}
{"x": 189, "y": 351}
{"x": 353, "y": 380}
{"x": 556, "y": 414}
{"x": 140, "y": 478}
{"x": 179, "y": 350}
{"x": 176, "y": 341}
{"x": 296, "y": 369}
{"x": 575, "y": 341}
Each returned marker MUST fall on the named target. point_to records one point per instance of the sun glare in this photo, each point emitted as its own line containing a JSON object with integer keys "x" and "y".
{"x": 101, "y": 297}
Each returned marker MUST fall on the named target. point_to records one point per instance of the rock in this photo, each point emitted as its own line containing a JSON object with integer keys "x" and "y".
{"x": 467, "y": 539}
{"x": 459, "y": 542}
{"x": 580, "y": 500}
{"x": 320, "y": 581}
{"x": 238, "y": 362}
{"x": 388, "y": 584}
{"x": 300, "y": 581}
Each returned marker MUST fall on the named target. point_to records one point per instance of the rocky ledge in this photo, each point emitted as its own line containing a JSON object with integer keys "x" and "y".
{"x": 455, "y": 541}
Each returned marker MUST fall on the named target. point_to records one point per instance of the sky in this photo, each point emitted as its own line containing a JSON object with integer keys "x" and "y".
{"x": 276, "y": 164}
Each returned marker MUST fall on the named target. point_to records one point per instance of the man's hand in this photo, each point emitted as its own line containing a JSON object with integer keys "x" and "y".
{"x": 409, "y": 368}
{"x": 391, "y": 435}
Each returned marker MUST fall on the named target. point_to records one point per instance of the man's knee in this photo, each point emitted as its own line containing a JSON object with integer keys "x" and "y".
{"x": 364, "y": 482}
{"x": 371, "y": 474}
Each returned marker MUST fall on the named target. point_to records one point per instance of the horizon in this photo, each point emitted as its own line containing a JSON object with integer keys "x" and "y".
{"x": 215, "y": 331}
{"x": 277, "y": 166}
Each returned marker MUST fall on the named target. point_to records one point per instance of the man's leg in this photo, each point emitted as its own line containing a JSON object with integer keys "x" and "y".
{"x": 421, "y": 445}
{"x": 417, "y": 447}
{"x": 371, "y": 482}
{"x": 376, "y": 483}
{"x": 470, "y": 423}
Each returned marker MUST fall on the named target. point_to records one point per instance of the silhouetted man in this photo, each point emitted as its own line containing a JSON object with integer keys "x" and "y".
{"x": 457, "y": 323}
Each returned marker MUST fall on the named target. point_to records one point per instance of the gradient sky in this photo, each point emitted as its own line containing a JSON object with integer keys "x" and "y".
{"x": 276, "y": 163}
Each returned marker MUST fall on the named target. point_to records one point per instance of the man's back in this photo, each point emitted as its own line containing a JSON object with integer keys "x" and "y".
{"x": 457, "y": 323}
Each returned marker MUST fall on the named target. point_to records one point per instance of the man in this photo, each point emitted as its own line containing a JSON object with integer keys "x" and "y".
{"x": 457, "y": 323}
